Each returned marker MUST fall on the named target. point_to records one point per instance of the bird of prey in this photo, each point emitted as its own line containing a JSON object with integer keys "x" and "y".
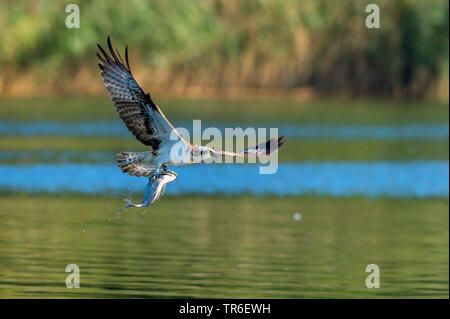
{"x": 148, "y": 124}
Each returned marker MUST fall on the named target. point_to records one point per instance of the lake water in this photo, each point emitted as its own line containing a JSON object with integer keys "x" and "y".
{"x": 412, "y": 131}
{"x": 224, "y": 230}
{"x": 413, "y": 179}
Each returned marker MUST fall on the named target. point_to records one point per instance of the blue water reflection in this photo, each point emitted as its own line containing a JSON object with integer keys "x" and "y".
{"x": 393, "y": 179}
{"x": 117, "y": 129}
{"x": 58, "y": 156}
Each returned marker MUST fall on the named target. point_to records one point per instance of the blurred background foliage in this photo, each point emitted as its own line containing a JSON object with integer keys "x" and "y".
{"x": 194, "y": 47}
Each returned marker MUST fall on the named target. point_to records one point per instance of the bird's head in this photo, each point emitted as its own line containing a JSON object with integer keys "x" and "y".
{"x": 203, "y": 153}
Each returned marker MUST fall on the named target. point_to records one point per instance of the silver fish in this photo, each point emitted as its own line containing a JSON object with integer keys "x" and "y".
{"x": 154, "y": 190}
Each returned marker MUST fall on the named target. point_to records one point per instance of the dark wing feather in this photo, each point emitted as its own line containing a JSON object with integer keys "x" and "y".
{"x": 266, "y": 148}
{"x": 263, "y": 149}
{"x": 141, "y": 115}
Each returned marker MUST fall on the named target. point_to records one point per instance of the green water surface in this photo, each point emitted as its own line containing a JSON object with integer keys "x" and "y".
{"x": 221, "y": 246}
{"x": 203, "y": 247}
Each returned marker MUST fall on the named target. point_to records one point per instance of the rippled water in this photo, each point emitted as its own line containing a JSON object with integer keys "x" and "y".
{"x": 367, "y": 194}
{"x": 223, "y": 247}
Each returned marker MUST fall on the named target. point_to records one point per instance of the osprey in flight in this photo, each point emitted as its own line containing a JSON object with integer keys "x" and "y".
{"x": 148, "y": 124}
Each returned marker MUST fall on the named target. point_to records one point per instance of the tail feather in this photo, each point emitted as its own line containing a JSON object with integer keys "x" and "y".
{"x": 133, "y": 164}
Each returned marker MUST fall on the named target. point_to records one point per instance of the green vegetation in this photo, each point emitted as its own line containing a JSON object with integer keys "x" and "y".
{"x": 195, "y": 46}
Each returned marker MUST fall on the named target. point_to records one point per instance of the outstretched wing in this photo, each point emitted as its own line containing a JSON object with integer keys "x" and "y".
{"x": 263, "y": 149}
{"x": 141, "y": 115}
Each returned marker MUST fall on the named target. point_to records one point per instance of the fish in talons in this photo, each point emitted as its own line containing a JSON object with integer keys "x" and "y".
{"x": 155, "y": 188}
